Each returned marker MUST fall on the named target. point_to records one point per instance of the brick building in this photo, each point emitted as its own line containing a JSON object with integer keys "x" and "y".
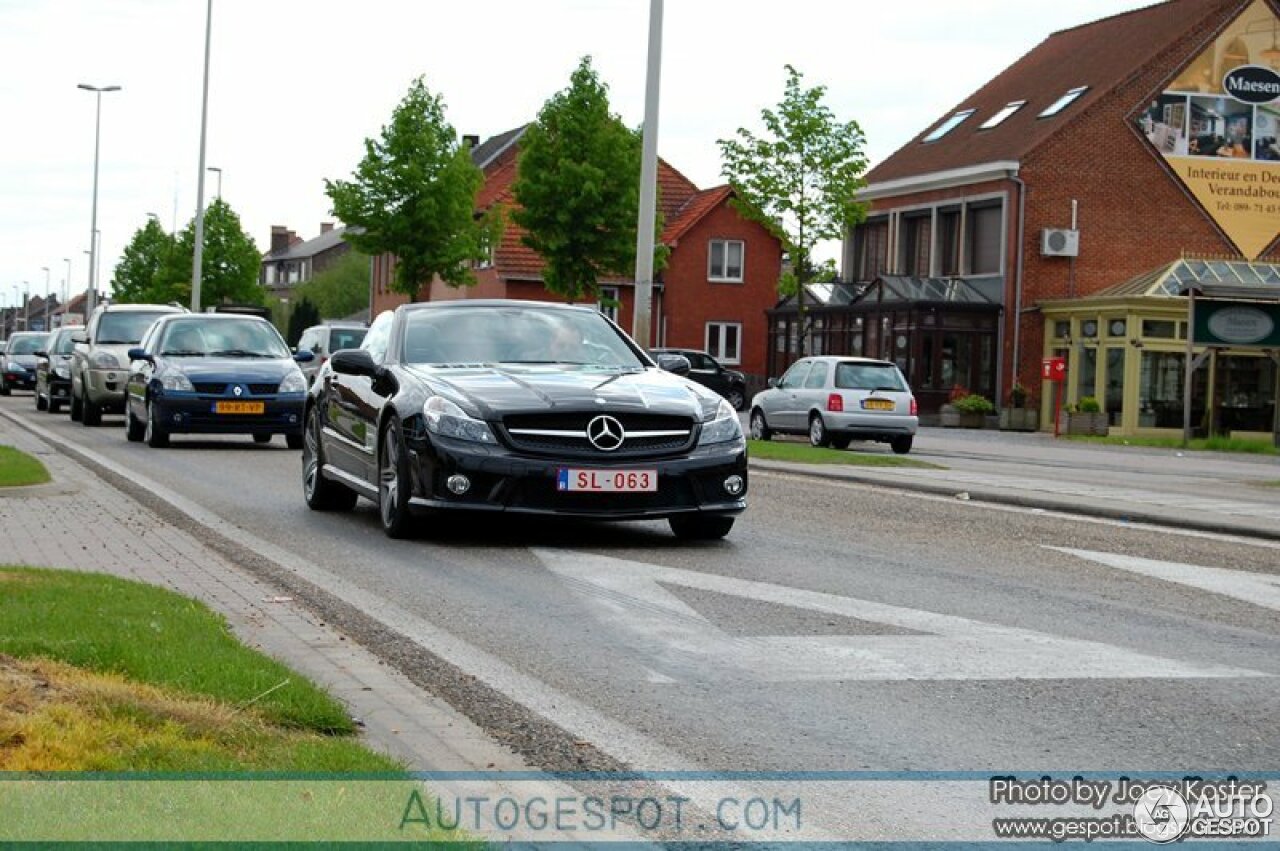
{"x": 293, "y": 260}
{"x": 721, "y": 275}
{"x": 1044, "y": 214}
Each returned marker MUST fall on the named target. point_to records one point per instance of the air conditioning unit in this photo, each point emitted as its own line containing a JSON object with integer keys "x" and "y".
{"x": 1059, "y": 242}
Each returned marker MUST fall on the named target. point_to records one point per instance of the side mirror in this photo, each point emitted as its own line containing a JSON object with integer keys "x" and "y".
{"x": 141, "y": 354}
{"x": 678, "y": 364}
{"x": 353, "y": 362}
{"x": 773, "y": 382}
{"x": 79, "y": 338}
{"x": 304, "y": 356}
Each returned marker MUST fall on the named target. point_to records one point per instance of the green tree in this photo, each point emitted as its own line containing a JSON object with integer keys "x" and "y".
{"x": 340, "y": 290}
{"x": 414, "y": 195}
{"x": 230, "y": 263}
{"x": 304, "y": 315}
{"x": 578, "y": 188}
{"x": 137, "y": 275}
{"x": 800, "y": 179}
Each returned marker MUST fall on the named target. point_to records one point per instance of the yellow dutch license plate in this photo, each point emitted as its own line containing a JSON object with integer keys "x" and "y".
{"x": 239, "y": 407}
{"x": 877, "y": 405}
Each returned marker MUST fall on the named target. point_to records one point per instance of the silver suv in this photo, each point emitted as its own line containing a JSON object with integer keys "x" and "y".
{"x": 323, "y": 340}
{"x": 838, "y": 399}
{"x": 100, "y": 362}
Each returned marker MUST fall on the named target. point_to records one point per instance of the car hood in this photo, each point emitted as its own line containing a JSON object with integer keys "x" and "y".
{"x": 492, "y": 392}
{"x": 26, "y": 360}
{"x": 251, "y": 370}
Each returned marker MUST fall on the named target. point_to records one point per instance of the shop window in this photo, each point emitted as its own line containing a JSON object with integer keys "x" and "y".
{"x": 1113, "y": 400}
{"x": 725, "y": 260}
{"x": 926, "y": 361}
{"x": 1160, "y": 386}
{"x": 1160, "y": 329}
{"x": 1087, "y": 373}
{"x": 985, "y": 240}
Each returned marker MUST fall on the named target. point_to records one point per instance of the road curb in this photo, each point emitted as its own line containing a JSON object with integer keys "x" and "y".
{"x": 997, "y": 497}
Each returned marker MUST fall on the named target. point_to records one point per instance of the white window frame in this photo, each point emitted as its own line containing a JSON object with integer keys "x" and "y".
{"x": 610, "y": 311}
{"x": 723, "y": 277}
{"x": 718, "y": 352}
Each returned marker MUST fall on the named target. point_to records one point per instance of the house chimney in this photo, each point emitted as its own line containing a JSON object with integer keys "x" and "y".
{"x": 325, "y": 227}
{"x": 279, "y": 238}
{"x": 471, "y": 142}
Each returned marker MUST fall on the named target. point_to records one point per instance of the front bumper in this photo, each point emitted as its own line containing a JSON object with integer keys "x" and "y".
{"x": 502, "y": 480}
{"x": 105, "y": 388}
{"x": 59, "y": 389}
{"x": 20, "y": 378}
{"x": 194, "y": 413}
{"x": 862, "y": 424}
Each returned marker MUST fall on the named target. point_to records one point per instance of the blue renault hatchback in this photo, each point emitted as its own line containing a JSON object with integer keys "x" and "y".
{"x": 214, "y": 373}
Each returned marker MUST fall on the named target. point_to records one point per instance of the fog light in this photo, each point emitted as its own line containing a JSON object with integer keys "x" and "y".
{"x": 458, "y": 484}
{"x": 733, "y": 485}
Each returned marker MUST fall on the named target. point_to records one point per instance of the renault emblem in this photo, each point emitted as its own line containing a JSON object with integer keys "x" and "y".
{"x": 605, "y": 433}
{"x": 237, "y": 391}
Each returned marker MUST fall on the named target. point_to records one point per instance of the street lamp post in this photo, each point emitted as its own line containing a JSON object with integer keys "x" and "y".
{"x": 66, "y": 289}
{"x": 219, "y": 171}
{"x": 641, "y": 320}
{"x": 93, "y": 227}
{"x": 26, "y": 306}
{"x": 46, "y": 297}
{"x": 197, "y": 258}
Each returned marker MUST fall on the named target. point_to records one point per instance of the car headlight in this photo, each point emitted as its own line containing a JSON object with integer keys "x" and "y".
{"x": 105, "y": 360}
{"x": 14, "y": 366}
{"x": 175, "y": 380}
{"x": 447, "y": 419}
{"x": 62, "y": 371}
{"x": 724, "y": 428}
{"x": 294, "y": 382}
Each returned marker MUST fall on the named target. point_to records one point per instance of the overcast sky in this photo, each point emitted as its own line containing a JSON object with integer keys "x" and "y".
{"x": 296, "y": 86}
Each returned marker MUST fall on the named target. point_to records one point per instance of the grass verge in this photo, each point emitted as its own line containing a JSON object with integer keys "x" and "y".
{"x": 803, "y": 453}
{"x": 1199, "y": 444}
{"x": 18, "y": 468}
{"x": 152, "y": 636}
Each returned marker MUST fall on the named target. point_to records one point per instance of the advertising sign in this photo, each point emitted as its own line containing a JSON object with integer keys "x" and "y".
{"x": 1218, "y": 128}
{"x": 1233, "y": 323}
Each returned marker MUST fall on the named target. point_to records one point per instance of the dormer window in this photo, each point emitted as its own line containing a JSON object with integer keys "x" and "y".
{"x": 1009, "y": 109}
{"x": 947, "y": 126}
{"x": 1063, "y": 102}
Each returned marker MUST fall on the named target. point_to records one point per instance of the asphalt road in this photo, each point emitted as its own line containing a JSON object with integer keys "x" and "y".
{"x": 839, "y": 627}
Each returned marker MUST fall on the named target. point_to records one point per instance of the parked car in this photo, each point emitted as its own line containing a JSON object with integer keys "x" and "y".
{"x": 708, "y": 372}
{"x": 838, "y": 399}
{"x": 323, "y": 340}
{"x": 214, "y": 373}
{"x": 18, "y": 371}
{"x": 519, "y": 407}
{"x": 53, "y": 370}
{"x": 100, "y": 361}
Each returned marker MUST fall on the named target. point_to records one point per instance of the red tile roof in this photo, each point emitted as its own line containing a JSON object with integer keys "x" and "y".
{"x": 1100, "y": 55}
{"x": 694, "y": 209}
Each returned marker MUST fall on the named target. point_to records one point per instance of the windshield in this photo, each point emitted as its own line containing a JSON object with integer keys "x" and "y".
{"x": 125, "y": 326}
{"x": 869, "y": 376}
{"x": 26, "y": 345}
{"x": 64, "y": 345}
{"x": 346, "y": 338}
{"x": 515, "y": 335}
{"x": 202, "y": 336}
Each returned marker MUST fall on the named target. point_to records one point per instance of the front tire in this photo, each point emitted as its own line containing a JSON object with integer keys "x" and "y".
{"x": 901, "y": 445}
{"x": 737, "y": 398}
{"x": 840, "y": 442}
{"x": 90, "y": 414}
{"x": 759, "y": 426}
{"x": 293, "y": 441}
{"x": 700, "y": 527}
{"x": 134, "y": 431}
{"x": 818, "y": 432}
{"x": 41, "y": 403}
{"x": 262, "y": 438}
{"x": 393, "y": 483}
{"x": 320, "y": 493}
{"x": 77, "y": 408}
{"x": 4, "y": 387}
{"x": 155, "y": 435}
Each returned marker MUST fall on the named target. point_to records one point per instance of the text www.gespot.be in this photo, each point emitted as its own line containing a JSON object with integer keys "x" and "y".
{"x": 1121, "y": 826}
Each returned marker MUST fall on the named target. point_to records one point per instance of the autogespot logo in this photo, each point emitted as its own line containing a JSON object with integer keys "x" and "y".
{"x": 605, "y": 433}
{"x": 1161, "y": 814}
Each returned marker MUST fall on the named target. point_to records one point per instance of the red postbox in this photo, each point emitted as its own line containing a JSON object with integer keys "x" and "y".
{"x": 1055, "y": 370}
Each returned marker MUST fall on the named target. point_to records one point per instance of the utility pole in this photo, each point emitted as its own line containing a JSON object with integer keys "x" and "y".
{"x": 642, "y": 320}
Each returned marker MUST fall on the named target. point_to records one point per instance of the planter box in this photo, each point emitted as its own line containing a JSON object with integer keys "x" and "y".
{"x": 949, "y": 417}
{"x": 1095, "y": 424}
{"x": 972, "y": 420}
{"x": 1019, "y": 419}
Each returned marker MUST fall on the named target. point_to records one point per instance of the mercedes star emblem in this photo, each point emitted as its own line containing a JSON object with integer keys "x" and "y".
{"x": 605, "y": 433}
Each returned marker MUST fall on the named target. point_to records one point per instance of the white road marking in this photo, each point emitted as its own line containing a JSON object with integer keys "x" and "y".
{"x": 1258, "y": 588}
{"x": 685, "y": 645}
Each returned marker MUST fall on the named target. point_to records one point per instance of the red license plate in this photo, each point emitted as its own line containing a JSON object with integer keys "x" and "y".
{"x": 607, "y": 481}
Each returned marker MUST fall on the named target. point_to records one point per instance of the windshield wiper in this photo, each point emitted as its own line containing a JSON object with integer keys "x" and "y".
{"x": 184, "y": 353}
{"x": 117, "y": 342}
{"x": 890, "y": 389}
{"x": 238, "y": 353}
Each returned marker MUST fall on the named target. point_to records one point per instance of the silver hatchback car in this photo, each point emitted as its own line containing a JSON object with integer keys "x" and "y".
{"x": 838, "y": 399}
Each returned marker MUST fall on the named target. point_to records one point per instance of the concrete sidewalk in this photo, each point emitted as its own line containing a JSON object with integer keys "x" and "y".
{"x": 1207, "y": 491}
{"x": 78, "y": 522}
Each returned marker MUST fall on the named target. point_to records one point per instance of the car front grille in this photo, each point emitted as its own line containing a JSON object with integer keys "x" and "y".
{"x": 566, "y": 434}
{"x": 219, "y": 388}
